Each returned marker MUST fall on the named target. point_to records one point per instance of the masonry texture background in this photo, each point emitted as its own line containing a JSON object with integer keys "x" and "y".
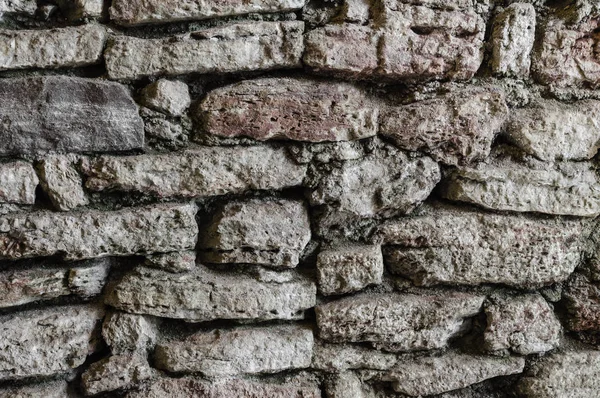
{"x": 337, "y": 199}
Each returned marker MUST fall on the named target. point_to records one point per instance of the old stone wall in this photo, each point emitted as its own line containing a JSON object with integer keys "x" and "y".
{"x": 292, "y": 199}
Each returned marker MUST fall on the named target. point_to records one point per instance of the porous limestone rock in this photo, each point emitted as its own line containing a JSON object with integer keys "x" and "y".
{"x": 245, "y": 350}
{"x": 289, "y": 108}
{"x": 125, "y": 332}
{"x": 456, "y": 128}
{"x": 267, "y": 232}
{"x": 239, "y": 388}
{"x": 568, "y": 374}
{"x": 204, "y": 171}
{"x": 51, "y": 389}
{"x": 452, "y": 371}
{"x": 524, "y": 324}
{"x": 341, "y": 357}
{"x": 67, "y": 114}
{"x": 116, "y": 372}
{"x": 512, "y": 40}
{"x": 89, "y": 280}
{"x": 89, "y": 234}
{"x": 18, "y": 182}
{"x": 552, "y": 130}
{"x": 76, "y": 10}
{"x": 343, "y": 385}
{"x": 62, "y": 182}
{"x": 582, "y": 300}
{"x": 349, "y": 269}
{"x": 448, "y": 245}
{"x": 174, "y": 262}
{"x": 397, "y": 322}
{"x": 204, "y": 295}
{"x": 356, "y": 11}
{"x": 231, "y": 48}
{"x": 167, "y": 96}
{"x": 137, "y": 12}
{"x": 54, "y": 48}
{"x": 46, "y": 342}
{"x": 18, "y": 7}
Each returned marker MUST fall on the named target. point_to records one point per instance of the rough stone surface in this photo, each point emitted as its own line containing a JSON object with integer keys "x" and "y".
{"x": 116, "y": 372}
{"x": 295, "y": 109}
{"x": 447, "y": 245}
{"x": 80, "y": 9}
{"x": 524, "y": 324}
{"x": 18, "y": 7}
{"x": 238, "y": 351}
{"x": 342, "y": 357}
{"x": 582, "y": 299}
{"x": 569, "y": 374}
{"x": 435, "y": 375}
{"x": 512, "y": 40}
{"x": 167, "y": 96}
{"x": 457, "y": 128}
{"x": 46, "y": 342}
{"x": 54, "y": 48}
{"x": 401, "y": 322}
{"x": 174, "y": 262}
{"x": 272, "y": 233}
{"x": 552, "y": 130}
{"x": 18, "y": 182}
{"x": 349, "y": 269}
{"x": 205, "y": 171}
{"x": 67, "y": 114}
{"x": 205, "y": 295}
{"x": 125, "y": 332}
{"x": 232, "y": 48}
{"x": 342, "y": 385}
{"x": 80, "y": 235}
{"x": 52, "y": 389}
{"x": 61, "y": 182}
{"x": 137, "y": 12}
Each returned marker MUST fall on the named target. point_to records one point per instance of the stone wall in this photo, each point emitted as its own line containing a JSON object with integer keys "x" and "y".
{"x": 337, "y": 199}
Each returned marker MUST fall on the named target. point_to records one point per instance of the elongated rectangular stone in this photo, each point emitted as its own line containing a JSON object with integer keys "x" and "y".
{"x": 205, "y": 171}
{"x": 238, "y": 351}
{"x": 336, "y": 358}
{"x": 446, "y": 245}
{"x": 54, "y": 48}
{"x": 67, "y": 114}
{"x": 52, "y": 389}
{"x": 138, "y": 12}
{"x": 397, "y": 322}
{"x": 231, "y": 48}
{"x": 80, "y": 235}
{"x": 46, "y": 342}
{"x": 204, "y": 295}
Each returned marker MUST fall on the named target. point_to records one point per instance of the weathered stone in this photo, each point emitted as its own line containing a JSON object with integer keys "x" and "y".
{"x": 356, "y": 11}
{"x": 435, "y": 375}
{"x": 25, "y": 286}
{"x": 232, "y": 48}
{"x": 570, "y": 374}
{"x": 343, "y": 385}
{"x": 76, "y": 10}
{"x": 46, "y": 342}
{"x": 116, "y": 372}
{"x": 342, "y": 357}
{"x": 137, "y": 12}
{"x": 167, "y": 96}
{"x": 349, "y": 269}
{"x": 128, "y": 332}
{"x": 54, "y": 48}
{"x": 67, "y": 114}
{"x": 457, "y": 128}
{"x": 52, "y": 389}
{"x": 582, "y": 299}
{"x": 61, "y": 182}
{"x": 18, "y": 7}
{"x": 173, "y": 262}
{"x": 571, "y": 189}
{"x": 205, "y": 171}
{"x": 446, "y": 245}
{"x": 420, "y": 42}
{"x": 512, "y": 40}
{"x": 204, "y": 295}
{"x": 239, "y": 388}
{"x": 551, "y": 130}
{"x": 238, "y": 351}
{"x": 18, "y": 182}
{"x": 567, "y": 55}
{"x": 285, "y": 108}
{"x": 401, "y": 322}
{"x": 347, "y": 50}
{"x": 80, "y": 235}
{"x": 267, "y": 232}
{"x": 524, "y": 324}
